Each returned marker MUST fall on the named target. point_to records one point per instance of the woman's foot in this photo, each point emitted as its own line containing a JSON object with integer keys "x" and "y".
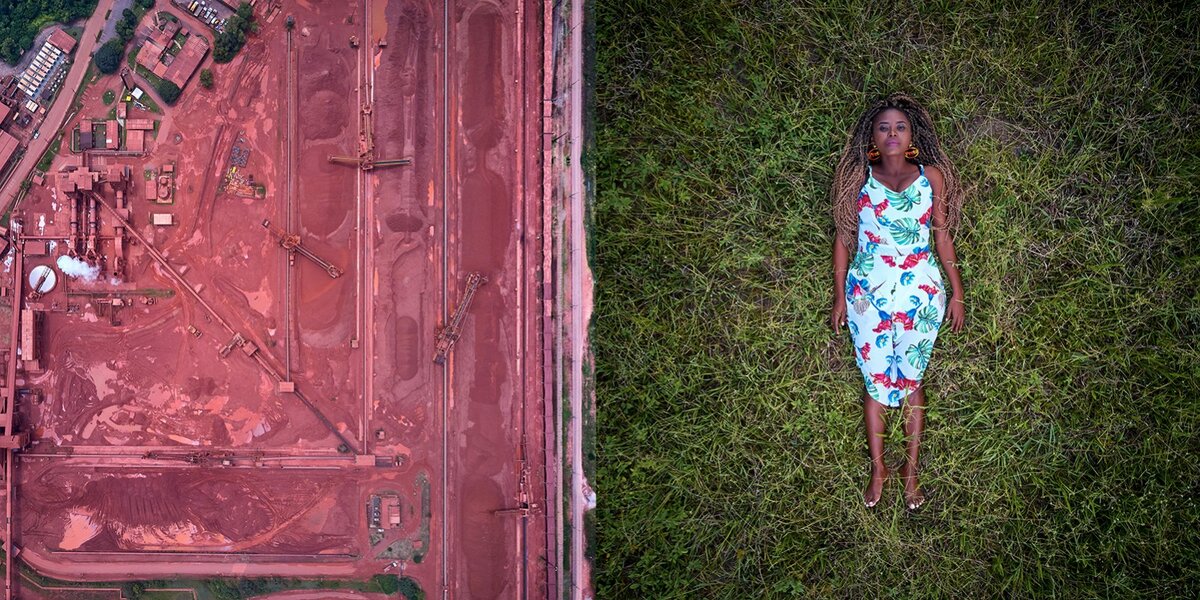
{"x": 875, "y": 487}
{"x": 913, "y": 496}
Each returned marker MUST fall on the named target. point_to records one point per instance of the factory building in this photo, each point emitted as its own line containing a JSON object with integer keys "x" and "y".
{"x": 8, "y": 146}
{"x": 154, "y": 56}
{"x": 49, "y": 58}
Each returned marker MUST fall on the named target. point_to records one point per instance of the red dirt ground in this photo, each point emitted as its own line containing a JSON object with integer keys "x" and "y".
{"x": 361, "y": 345}
{"x": 495, "y": 163}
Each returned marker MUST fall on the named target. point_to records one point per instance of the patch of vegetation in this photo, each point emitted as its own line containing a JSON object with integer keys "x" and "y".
{"x": 134, "y": 590}
{"x": 229, "y": 42}
{"x": 108, "y": 57}
{"x": 108, "y": 97}
{"x": 43, "y": 164}
{"x": 126, "y": 28}
{"x": 225, "y": 589}
{"x": 168, "y": 91}
{"x": 1059, "y": 423}
{"x": 177, "y": 43}
{"x": 410, "y": 589}
{"x": 206, "y": 78}
{"x": 23, "y": 19}
{"x": 387, "y": 584}
{"x": 148, "y": 101}
{"x": 90, "y": 76}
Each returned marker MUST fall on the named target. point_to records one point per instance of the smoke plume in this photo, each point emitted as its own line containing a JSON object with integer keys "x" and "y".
{"x": 74, "y": 267}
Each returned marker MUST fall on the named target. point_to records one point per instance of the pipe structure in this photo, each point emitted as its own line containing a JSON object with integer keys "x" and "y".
{"x": 93, "y": 226}
{"x": 73, "y": 246}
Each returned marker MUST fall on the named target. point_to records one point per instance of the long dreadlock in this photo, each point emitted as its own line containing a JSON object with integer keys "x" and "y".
{"x": 851, "y": 170}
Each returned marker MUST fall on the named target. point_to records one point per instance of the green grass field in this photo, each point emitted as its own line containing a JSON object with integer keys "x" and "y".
{"x": 1062, "y": 423}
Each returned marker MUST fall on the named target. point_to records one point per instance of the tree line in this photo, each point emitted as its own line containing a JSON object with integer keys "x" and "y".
{"x": 237, "y": 26}
{"x": 108, "y": 57}
{"x": 20, "y": 21}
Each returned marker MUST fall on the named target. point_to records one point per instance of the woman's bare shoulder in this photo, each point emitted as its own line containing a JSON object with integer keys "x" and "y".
{"x": 934, "y": 174}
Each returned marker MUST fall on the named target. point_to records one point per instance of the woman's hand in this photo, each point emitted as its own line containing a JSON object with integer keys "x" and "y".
{"x": 837, "y": 316}
{"x": 957, "y": 313}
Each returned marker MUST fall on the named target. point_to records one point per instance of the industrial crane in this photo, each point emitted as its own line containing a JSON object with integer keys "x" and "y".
{"x": 291, "y": 243}
{"x": 450, "y": 333}
{"x": 366, "y": 148}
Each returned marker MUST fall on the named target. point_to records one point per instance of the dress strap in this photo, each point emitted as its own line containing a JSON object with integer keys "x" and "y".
{"x": 921, "y": 167}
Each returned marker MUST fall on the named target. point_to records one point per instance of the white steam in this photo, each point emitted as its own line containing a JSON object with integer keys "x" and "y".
{"x": 73, "y": 267}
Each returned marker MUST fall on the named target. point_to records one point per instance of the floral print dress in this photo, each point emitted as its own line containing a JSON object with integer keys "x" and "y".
{"x": 895, "y": 298}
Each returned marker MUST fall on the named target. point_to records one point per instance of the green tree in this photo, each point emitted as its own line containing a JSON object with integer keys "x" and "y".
{"x": 20, "y": 21}
{"x": 108, "y": 57}
{"x": 206, "y": 78}
{"x": 134, "y": 589}
{"x": 169, "y": 92}
{"x": 229, "y": 42}
{"x": 146, "y": 4}
{"x": 125, "y": 31}
{"x": 388, "y": 584}
{"x": 410, "y": 589}
{"x": 127, "y": 25}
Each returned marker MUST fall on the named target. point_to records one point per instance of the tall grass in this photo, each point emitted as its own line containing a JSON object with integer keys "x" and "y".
{"x": 1061, "y": 438}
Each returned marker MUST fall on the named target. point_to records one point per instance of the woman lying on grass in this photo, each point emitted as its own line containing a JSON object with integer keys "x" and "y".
{"x": 892, "y": 183}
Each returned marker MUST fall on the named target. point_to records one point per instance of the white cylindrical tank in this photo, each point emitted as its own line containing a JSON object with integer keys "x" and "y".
{"x": 36, "y": 275}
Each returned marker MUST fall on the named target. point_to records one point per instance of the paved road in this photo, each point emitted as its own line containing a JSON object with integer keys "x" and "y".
{"x": 110, "y": 28}
{"x": 54, "y": 118}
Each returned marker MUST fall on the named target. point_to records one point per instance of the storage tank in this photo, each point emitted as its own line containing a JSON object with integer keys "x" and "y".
{"x": 35, "y": 276}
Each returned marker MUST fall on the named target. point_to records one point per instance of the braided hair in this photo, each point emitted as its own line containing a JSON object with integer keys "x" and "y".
{"x": 851, "y": 170}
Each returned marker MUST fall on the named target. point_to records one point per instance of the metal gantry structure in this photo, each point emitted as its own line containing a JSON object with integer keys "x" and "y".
{"x": 291, "y": 243}
{"x": 366, "y": 146}
{"x": 451, "y": 332}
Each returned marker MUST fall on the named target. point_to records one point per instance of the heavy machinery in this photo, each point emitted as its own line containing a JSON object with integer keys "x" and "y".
{"x": 451, "y": 332}
{"x": 366, "y": 147}
{"x": 291, "y": 243}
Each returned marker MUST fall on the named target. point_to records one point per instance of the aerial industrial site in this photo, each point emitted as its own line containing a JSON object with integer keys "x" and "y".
{"x": 317, "y": 318}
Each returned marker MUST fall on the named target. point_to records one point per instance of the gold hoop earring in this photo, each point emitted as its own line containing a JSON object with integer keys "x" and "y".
{"x": 873, "y": 153}
{"x": 912, "y": 151}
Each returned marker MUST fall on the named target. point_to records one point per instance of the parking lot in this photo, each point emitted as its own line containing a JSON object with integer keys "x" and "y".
{"x": 210, "y": 12}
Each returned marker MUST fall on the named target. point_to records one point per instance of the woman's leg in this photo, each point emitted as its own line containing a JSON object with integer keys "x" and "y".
{"x": 873, "y": 417}
{"x": 914, "y": 425}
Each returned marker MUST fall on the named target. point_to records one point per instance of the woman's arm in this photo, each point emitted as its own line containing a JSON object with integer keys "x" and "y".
{"x": 944, "y": 244}
{"x": 841, "y": 262}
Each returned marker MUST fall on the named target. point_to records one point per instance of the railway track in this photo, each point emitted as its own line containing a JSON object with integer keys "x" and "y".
{"x": 292, "y": 92}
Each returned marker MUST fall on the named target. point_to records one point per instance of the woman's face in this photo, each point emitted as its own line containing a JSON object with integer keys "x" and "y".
{"x": 891, "y": 132}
